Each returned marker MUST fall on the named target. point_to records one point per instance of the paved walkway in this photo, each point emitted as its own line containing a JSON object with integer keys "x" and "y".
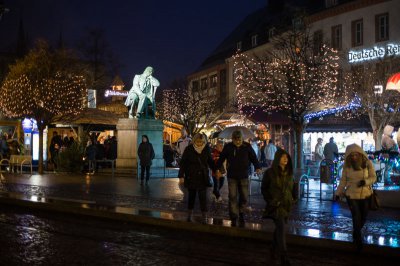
{"x": 312, "y": 219}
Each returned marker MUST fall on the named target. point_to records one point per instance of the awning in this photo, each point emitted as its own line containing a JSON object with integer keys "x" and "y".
{"x": 334, "y": 123}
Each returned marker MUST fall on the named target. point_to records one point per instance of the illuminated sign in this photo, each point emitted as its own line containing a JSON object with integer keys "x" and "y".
{"x": 29, "y": 125}
{"x": 110, "y": 93}
{"x": 374, "y": 53}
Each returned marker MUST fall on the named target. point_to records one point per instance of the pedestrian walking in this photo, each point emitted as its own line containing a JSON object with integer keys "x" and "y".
{"x": 218, "y": 181}
{"x": 146, "y": 155}
{"x": 269, "y": 151}
{"x": 331, "y": 150}
{"x": 357, "y": 178}
{"x": 277, "y": 189}
{"x": 239, "y": 155}
{"x": 194, "y": 169}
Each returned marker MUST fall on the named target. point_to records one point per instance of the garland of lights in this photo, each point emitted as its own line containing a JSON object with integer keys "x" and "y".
{"x": 293, "y": 86}
{"x": 43, "y": 85}
{"x": 353, "y": 105}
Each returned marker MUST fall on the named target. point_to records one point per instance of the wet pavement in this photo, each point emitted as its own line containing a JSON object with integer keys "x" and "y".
{"x": 313, "y": 218}
{"x": 42, "y": 238}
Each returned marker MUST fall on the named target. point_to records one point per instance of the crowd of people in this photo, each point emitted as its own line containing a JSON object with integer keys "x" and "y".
{"x": 96, "y": 149}
{"x": 232, "y": 162}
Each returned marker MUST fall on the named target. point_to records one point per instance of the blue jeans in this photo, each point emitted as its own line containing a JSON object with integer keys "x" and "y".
{"x": 218, "y": 183}
{"x": 238, "y": 189}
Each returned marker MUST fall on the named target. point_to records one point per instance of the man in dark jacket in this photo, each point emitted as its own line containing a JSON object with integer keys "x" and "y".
{"x": 239, "y": 155}
{"x": 146, "y": 155}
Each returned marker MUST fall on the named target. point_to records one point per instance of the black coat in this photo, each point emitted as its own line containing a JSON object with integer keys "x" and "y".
{"x": 194, "y": 167}
{"x": 238, "y": 160}
{"x": 145, "y": 153}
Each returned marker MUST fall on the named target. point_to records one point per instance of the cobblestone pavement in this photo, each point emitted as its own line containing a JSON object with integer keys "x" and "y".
{"x": 314, "y": 218}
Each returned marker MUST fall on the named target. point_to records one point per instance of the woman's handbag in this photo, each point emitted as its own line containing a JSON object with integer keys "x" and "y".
{"x": 374, "y": 202}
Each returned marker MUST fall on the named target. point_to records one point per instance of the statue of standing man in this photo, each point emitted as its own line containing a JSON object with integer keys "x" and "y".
{"x": 143, "y": 93}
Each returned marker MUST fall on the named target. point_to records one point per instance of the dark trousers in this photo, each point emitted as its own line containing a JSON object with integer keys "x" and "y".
{"x": 202, "y": 197}
{"x": 359, "y": 212}
{"x": 279, "y": 240}
{"x": 143, "y": 169}
{"x": 218, "y": 183}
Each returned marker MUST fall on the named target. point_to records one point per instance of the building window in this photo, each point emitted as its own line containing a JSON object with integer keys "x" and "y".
{"x": 330, "y": 3}
{"x": 382, "y": 27}
{"x": 337, "y": 37}
{"x": 203, "y": 84}
{"x": 195, "y": 86}
{"x": 271, "y": 33}
{"x": 213, "y": 81}
{"x": 239, "y": 46}
{"x": 254, "y": 40}
{"x": 357, "y": 32}
{"x": 318, "y": 40}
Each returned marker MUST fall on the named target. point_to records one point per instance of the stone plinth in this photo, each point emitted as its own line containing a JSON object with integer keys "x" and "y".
{"x": 130, "y": 133}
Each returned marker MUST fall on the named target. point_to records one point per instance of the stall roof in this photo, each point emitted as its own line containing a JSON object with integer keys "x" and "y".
{"x": 333, "y": 123}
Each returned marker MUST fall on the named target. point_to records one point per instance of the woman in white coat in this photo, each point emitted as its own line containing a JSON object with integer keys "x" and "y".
{"x": 357, "y": 178}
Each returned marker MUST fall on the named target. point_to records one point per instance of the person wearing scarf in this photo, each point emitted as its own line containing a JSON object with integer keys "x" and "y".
{"x": 194, "y": 168}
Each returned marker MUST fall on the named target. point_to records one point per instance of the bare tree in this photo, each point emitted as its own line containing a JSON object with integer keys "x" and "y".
{"x": 368, "y": 83}
{"x": 296, "y": 76}
{"x": 100, "y": 61}
{"x": 180, "y": 106}
{"x": 43, "y": 85}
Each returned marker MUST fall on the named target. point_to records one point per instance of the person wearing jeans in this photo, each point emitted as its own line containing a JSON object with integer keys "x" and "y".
{"x": 218, "y": 182}
{"x": 239, "y": 155}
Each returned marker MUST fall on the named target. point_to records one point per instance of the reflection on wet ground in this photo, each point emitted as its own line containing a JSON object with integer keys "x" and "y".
{"x": 39, "y": 238}
{"x": 166, "y": 199}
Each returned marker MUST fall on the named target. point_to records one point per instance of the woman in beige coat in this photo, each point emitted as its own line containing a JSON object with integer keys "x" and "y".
{"x": 357, "y": 178}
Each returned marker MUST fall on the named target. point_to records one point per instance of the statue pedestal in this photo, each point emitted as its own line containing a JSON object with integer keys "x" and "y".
{"x": 130, "y": 133}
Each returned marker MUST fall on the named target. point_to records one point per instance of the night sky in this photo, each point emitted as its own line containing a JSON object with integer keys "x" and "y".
{"x": 172, "y": 36}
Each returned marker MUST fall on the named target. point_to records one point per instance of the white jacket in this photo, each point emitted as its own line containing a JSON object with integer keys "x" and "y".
{"x": 350, "y": 179}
